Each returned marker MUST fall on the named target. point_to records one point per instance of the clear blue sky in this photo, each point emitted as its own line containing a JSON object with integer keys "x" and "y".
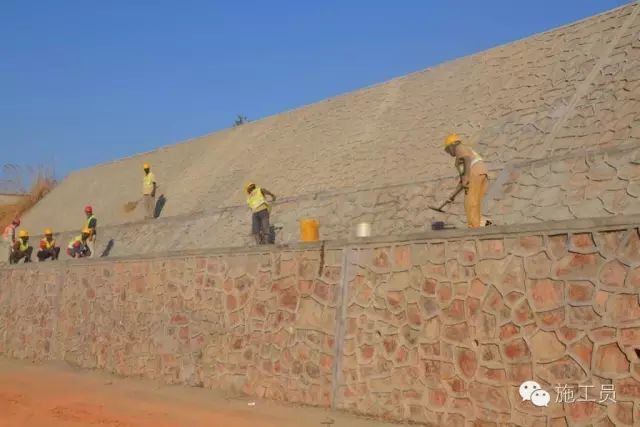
{"x": 84, "y": 81}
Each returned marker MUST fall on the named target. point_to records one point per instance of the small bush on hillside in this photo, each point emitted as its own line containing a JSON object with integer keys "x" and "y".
{"x": 240, "y": 120}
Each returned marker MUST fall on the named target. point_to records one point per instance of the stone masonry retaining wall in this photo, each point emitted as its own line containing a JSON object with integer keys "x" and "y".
{"x": 439, "y": 328}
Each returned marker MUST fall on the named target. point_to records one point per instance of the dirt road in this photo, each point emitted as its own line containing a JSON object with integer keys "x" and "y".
{"x": 59, "y": 396}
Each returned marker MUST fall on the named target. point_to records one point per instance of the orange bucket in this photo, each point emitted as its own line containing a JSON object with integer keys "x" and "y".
{"x": 309, "y": 230}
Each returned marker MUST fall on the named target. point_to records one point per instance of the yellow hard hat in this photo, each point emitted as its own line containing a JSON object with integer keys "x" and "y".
{"x": 451, "y": 139}
{"x": 146, "y": 166}
{"x": 48, "y": 231}
{"x": 23, "y": 233}
{"x": 247, "y": 185}
{"x": 86, "y": 230}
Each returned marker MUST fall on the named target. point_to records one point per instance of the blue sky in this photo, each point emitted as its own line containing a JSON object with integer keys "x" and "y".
{"x": 83, "y": 82}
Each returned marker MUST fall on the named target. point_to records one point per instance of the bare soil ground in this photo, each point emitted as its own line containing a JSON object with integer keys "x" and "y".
{"x": 55, "y": 395}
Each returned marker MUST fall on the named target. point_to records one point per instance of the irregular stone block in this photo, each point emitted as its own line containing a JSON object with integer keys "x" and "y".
{"x": 545, "y": 347}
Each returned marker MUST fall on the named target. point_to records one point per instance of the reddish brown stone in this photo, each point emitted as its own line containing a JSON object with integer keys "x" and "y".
{"x": 523, "y": 313}
{"x": 582, "y": 241}
{"x": 366, "y": 352}
{"x": 381, "y": 259}
{"x": 467, "y": 362}
{"x": 629, "y": 250}
{"x": 492, "y": 375}
{"x": 583, "y": 411}
{"x": 546, "y": 294}
{"x": 402, "y": 355}
{"x": 183, "y": 333}
{"x": 563, "y": 371}
{"x": 630, "y": 336}
{"x": 627, "y": 389}
{"x": 623, "y": 308}
{"x": 429, "y": 286}
{"x": 429, "y": 307}
{"x": 473, "y": 306}
{"x": 395, "y": 299}
{"x": 444, "y": 293}
{"x": 613, "y": 274}
{"x": 494, "y": 302}
{"x": 232, "y": 303}
{"x": 457, "y": 384}
{"x": 545, "y": 346}
{"x": 458, "y": 333}
{"x": 583, "y": 316}
{"x": 455, "y": 311}
{"x": 611, "y": 362}
{"x": 390, "y": 344}
{"x": 578, "y": 266}
{"x": 513, "y": 297}
{"x": 528, "y": 245}
{"x": 435, "y": 371}
{"x": 492, "y": 248}
{"x": 633, "y": 278}
{"x": 516, "y": 350}
{"x": 435, "y": 271}
{"x": 414, "y": 315}
{"x": 603, "y": 334}
{"x": 583, "y": 350}
{"x": 289, "y": 299}
{"x": 467, "y": 254}
{"x": 519, "y": 373}
{"x": 485, "y": 326}
{"x": 179, "y": 319}
{"x": 567, "y": 334}
{"x": 558, "y": 245}
{"x": 552, "y": 319}
{"x": 402, "y": 256}
{"x": 305, "y": 287}
{"x": 623, "y": 413}
{"x": 537, "y": 266}
{"x": 580, "y": 292}
{"x": 477, "y": 289}
{"x": 491, "y": 396}
{"x": 323, "y": 291}
{"x": 437, "y": 398}
{"x": 508, "y": 331}
{"x": 490, "y": 353}
{"x": 454, "y": 420}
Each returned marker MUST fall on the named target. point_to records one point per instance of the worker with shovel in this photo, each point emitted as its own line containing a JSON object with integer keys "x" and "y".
{"x": 474, "y": 179}
{"x": 149, "y": 192}
{"x": 257, "y": 201}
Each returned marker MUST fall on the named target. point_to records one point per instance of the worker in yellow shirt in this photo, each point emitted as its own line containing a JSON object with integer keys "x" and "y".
{"x": 256, "y": 199}
{"x": 48, "y": 248}
{"x": 78, "y": 247}
{"x": 148, "y": 191}
{"x": 92, "y": 226}
{"x": 21, "y": 248}
{"x": 474, "y": 177}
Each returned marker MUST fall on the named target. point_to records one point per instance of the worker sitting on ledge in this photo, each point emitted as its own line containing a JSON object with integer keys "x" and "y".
{"x": 256, "y": 199}
{"x": 79, "y": 247}
{"x": 474, "y": 177}
{"x": 48, "y": 248}
{"x": 21, "y": 248}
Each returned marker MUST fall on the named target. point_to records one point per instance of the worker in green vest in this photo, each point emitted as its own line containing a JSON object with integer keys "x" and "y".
{"x": 21, "y": 248}
{"x": 260, "y": 209}
{"x": 91, "y": 225}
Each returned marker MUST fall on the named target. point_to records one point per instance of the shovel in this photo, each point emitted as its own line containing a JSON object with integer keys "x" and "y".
{"x": 450, "y": 200}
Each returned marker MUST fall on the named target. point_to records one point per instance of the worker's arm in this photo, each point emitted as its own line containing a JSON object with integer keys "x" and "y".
{"x": 269, "y": 193}
{"x": 153, "y": 191}
{"x": 464, "y": 179}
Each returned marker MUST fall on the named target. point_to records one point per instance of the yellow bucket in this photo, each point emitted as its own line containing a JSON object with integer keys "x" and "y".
{"x": 309, "y": 230}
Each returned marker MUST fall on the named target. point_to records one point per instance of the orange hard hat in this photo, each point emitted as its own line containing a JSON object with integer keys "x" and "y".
{"x": 451, "y": 139}
{"x": 146, "y": 166}
{"x": 86, "y": 230}
{"x": 48, "y": 232}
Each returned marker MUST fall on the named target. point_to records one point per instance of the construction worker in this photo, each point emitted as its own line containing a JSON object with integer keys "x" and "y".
{"x": 9, "y": 235}
{"x": 148, "y": 191}
{"x": 48, "y": 248}
{"x": 21, "y": 248}
{"x": 79, "y": 246}
{"x": 474, "y": 177}
{"x": 92, "y": 223}
{"x": 256, "y": 199}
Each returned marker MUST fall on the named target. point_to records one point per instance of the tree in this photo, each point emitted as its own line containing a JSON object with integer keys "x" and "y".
{"x": 240, "y": 120}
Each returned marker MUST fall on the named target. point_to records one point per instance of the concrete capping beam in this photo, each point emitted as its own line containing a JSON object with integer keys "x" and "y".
{"x": 548, "y": 228}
